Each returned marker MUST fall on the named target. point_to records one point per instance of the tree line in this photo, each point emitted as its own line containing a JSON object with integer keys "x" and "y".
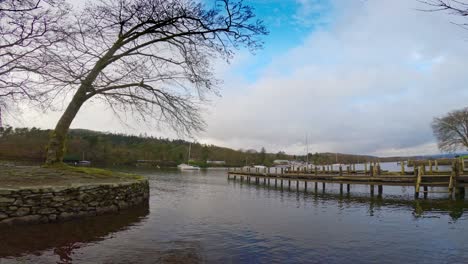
{"x": 121, "y": 149}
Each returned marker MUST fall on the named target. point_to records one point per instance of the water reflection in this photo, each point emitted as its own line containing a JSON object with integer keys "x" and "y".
{"x": 419, "y": 208}
{"x": 66, "y": 237}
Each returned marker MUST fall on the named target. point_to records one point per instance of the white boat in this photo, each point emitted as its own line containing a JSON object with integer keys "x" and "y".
{"x": 184, "y": 166}
{"x": 84, "y": 163}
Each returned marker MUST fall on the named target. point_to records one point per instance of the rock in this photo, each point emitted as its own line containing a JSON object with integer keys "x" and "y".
{"x": 122, "y": 205}
{"x": 107, "y": 209}
{"x": 22, "y": 211}
{"x": 65, "y": 216}
{"x": 7, "y": 200}
{"x": 46, "y": 211}
{"x": 71, "y": 215}
{"x": 3, "y": 216}
{"x": 18, "y": 202}
{"x": 21, "y": 220}
{"x": 31, "y": 202}
{"x": 56, "y": 205}
{"x": 5, "y": 192}
{"x": 86, "y": 198}
{"x": 73, "y": 203}
{"x": 44, "y": 219}
{"x": 53, "y": 217}
{"x": 61, "y": 198}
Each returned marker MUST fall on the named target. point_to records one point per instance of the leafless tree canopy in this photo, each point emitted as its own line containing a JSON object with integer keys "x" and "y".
{"x": 455, "y": 7}
{"x": 27, "y": 29}
{"x": 152, "y": 58}
{"x": 451, "y": 130}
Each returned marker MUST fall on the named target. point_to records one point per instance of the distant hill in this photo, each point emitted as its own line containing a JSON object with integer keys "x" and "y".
{"x": 111, "y": 148}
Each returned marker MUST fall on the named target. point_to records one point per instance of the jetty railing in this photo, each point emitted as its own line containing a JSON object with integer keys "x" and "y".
{"x": 426, "y": 175}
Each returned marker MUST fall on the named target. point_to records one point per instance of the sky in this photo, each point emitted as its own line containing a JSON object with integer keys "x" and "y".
{"x": 350, "y": 76}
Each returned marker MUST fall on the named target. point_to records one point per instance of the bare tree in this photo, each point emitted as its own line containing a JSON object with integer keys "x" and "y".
{"x": 451, "y": 130}
{"x": 151, "y": 58}
{"x": 27, "y": 29}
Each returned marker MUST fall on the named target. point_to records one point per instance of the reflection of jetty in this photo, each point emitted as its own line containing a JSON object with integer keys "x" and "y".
{"x": 419, "y": 207}
{"x": 454, "y": 181}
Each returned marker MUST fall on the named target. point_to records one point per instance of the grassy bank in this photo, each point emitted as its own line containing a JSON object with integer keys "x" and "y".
{"x": 62, "y": 175}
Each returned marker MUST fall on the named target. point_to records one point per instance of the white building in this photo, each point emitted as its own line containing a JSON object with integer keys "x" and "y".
{"x": 216, "y": 162}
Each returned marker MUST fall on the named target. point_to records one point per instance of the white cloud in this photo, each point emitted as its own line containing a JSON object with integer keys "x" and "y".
{"x": 369, "y": 83}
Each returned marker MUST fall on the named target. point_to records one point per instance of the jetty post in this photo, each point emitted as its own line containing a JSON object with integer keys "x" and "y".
{"x": 418, "y": 172}
{"x": 372, "y": 171}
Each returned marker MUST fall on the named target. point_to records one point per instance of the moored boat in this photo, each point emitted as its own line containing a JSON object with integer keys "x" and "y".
{"x": 184, "y": 166}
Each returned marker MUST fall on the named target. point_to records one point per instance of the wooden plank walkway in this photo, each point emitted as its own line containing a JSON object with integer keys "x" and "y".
{"x": 454, "y": 181}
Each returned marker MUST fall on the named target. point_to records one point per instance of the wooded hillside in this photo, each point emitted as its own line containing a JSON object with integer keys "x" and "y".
{"x": 110, "y": 148}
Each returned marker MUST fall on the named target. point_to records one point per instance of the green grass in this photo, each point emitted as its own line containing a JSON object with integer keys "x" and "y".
{"x": 97, "y": 172}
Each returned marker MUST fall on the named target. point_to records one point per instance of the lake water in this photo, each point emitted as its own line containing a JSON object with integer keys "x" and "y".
{"x": 201, "y": 217}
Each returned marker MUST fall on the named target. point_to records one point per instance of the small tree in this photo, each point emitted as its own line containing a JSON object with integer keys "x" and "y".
{"x": 205, "y": 153}
{"x": 451, "y": 130}
{"x": 262, "y": 155}
{"x": 150, "y": 58}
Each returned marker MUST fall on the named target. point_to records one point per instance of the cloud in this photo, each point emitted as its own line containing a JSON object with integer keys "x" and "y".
{"x": 370, "y": 83}
{"x": 311, "y": 12}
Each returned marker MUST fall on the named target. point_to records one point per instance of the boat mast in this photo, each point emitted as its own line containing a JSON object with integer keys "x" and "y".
{"x": 307, "y": 151}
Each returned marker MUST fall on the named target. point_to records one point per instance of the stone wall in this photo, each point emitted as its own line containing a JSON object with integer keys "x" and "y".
{"x": 42, "y": 205}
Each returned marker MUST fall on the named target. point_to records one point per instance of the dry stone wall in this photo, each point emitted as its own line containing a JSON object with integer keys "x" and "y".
{"x": 43, "y": 205}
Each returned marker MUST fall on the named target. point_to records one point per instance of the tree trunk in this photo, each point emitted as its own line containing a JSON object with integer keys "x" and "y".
{"x": 56, "y": 146}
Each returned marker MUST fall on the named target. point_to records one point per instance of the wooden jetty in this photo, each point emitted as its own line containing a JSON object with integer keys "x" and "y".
{"x": 454, "y": 181}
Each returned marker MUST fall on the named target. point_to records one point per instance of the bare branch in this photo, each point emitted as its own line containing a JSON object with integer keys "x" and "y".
{"x": 27, "y": 29}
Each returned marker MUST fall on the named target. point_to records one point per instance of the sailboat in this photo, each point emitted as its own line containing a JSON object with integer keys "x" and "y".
{"x": 184, "y": 166}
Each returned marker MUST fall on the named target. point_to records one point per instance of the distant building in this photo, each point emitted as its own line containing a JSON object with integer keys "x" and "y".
{"x": 281, "y": 162}
{"x": 216, "y": 162}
